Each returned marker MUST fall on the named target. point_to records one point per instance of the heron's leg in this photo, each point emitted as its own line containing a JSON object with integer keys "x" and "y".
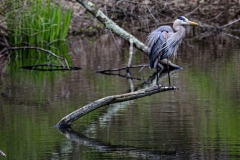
{"x": 175, "y": 88}
{"x": 159, "y": 70}
{"x": 169, "y": 81}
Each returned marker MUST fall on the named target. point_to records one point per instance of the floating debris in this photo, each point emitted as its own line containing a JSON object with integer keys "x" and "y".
{"x": 3, "y": 154}
{"x": 47, "y": 67}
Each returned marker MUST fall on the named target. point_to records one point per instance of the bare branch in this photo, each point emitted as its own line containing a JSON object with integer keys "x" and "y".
{"x": 230, "y": 23}
{"x": 219, "y": 14}
{"x": 130, "y": 53}
{"x": 230, "y": 35}
{"x": 193, "y": 10}
{"x": 123, "y": 68}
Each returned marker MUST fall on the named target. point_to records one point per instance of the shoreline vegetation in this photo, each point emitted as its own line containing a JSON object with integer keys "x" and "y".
{"x": 34, "y": 29}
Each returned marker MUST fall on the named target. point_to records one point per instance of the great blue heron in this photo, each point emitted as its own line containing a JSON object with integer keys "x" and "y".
{"x": 164, "y": 42}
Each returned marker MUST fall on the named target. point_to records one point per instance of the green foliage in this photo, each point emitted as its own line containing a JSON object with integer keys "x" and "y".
{"x": 39, "y": 22}
{"x": 30, "y": 57}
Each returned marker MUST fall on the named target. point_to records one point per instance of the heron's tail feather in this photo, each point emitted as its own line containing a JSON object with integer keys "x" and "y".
{"x": 153, "y": 61}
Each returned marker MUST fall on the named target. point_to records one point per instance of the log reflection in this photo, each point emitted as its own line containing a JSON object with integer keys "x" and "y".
{"x": 143, "y": 153}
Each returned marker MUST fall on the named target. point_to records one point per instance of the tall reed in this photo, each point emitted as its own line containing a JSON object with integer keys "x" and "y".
{"x": 37, "y": 22}
{"x": 40, "y": 23}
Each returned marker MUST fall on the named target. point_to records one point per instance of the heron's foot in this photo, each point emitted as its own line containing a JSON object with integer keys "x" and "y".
{"x": 159, "y": 85}
{"x": 179, "y": 68}
{"x": 146, "y": 82}
{"x": 174, "y": 87}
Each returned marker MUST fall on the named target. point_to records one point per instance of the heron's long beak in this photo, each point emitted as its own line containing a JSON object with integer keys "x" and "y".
{"x": 192, "y": 23}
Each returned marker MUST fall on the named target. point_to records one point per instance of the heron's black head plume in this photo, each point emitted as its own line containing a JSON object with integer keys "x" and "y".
{"x": 182, "y": 18}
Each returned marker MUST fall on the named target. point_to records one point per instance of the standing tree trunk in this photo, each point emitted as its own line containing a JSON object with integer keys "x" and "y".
{"x": 3, "y": 63}
{"x": 4, "y": 54}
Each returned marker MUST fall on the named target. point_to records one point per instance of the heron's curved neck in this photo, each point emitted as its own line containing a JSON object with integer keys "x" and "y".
{"x": 180, "y": 30}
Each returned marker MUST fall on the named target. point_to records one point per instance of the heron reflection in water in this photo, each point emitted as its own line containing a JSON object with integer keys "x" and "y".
{"x": 164, "y": 42}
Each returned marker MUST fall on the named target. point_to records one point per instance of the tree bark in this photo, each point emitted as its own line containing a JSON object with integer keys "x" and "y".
{"x": 67, "y": 120}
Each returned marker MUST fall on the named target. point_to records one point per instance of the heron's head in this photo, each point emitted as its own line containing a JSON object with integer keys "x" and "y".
{"x": 184, "y": 21}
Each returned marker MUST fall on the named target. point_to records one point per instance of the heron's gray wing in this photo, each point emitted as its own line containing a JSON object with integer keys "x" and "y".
{"x": 155, "y": 47}
{"x": 172, "y": 44}
{"x": 169, "y": 47}
{"x": 156, "y": 41}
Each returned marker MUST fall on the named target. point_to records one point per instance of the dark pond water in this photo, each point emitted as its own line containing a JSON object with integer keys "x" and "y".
{"x": 199, "y": 121}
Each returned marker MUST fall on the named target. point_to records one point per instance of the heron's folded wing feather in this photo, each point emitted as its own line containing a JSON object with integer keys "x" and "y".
{"x": 155, "y": 42}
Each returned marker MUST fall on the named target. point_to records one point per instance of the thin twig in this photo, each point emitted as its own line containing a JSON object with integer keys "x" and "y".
{"x": 130, "y": 52}
{"x": 193, "y": 10}
{"x": 123, "y": 68}
{"x": 215, "y": 16}
{"x": 230, "y": 23}
{"x": 124, "y": 76}
{"x": 156, "y": 20}
{"x": 230, "y": 35}
{"x": 119, "y": 50}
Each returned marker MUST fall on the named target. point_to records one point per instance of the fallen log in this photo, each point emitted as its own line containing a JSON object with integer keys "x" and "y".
{"x": 67, "y": 120}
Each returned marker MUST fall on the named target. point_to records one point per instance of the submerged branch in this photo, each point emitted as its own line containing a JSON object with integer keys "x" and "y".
{"x": 36, "y": 48}
{"x": 67, "y": 120}
{"x": 123, "y": 68}
{"x": 2, "y": 154}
